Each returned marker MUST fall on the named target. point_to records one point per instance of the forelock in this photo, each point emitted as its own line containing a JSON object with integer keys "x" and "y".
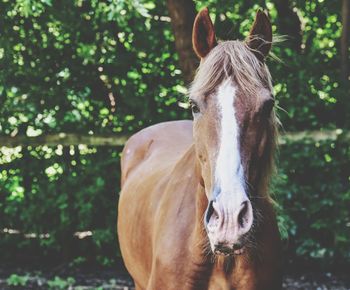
{"x": 230, "y": 59}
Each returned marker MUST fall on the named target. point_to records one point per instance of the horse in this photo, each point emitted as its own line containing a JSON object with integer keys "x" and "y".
{"x": 194, "y": 209}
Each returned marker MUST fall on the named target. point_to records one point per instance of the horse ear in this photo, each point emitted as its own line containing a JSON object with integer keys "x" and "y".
{"x": 260, "y": 36}
{"x": 203, "y": 35}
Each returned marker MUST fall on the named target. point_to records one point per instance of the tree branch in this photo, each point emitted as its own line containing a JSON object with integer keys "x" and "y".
{"x": 119, "y": 140}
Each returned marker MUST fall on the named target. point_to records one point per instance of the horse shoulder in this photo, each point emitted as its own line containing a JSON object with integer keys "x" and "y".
{"x": 167, "y": 138}
{"x": 148, "y": 160}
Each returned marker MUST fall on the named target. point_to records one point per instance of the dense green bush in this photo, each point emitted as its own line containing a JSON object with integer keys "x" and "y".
{"x": 313, "y": 193}
{"x": 111, "y": 67}
{"x": 50, "y": 194}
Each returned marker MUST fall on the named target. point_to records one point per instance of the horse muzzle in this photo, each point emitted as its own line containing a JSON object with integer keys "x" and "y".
{"x": 227, "y": 221}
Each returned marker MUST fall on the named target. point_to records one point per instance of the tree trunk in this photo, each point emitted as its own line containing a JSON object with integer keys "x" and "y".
{"x": 344, "y": 41}
{"x": 289, "y": 23}
{"x": 182, "y": 14}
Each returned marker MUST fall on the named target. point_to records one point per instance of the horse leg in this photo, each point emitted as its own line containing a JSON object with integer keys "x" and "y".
{"x": 166, "y": 282}
{"x": 153, "y": 283}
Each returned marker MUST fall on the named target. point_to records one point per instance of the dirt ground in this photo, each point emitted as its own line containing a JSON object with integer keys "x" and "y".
{"x": 67, "y": 277}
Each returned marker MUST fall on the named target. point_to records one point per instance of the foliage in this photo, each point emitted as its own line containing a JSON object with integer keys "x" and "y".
{"x": 312, "y": 189}
{"x": 36, "y": 280}
{"x": 17, "y": 280}
{"x": 67, "y": 196}
{"x": 111, "y": 67}
{"x": 59, "y": 283}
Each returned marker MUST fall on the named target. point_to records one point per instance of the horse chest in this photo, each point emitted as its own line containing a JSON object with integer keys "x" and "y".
{"x": 219, "y": 282}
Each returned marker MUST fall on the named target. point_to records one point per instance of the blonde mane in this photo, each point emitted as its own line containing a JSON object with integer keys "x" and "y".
{"x": 231, "y": 59}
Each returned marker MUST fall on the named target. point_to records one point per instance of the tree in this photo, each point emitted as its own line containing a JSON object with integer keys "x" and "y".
{"x": 344, "y": 41}
{"x": 183, "y": 13}
{"x": 289, "y": 23}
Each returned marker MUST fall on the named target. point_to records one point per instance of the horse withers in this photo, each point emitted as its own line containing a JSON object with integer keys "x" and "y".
{"x": 194, "y": 209}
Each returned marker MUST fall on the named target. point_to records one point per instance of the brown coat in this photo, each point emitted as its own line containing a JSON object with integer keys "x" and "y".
{"x": 160, "y": 219}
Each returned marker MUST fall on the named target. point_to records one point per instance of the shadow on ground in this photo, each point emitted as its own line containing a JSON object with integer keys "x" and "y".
{"x": 91, "y": 277}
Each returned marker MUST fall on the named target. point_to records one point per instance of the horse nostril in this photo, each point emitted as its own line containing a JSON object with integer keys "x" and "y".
{"x": 210, "y": 211}
{"x": 212, "y": 217}
{"x": 245, "y": 216}
{"x": 242, "y": 214}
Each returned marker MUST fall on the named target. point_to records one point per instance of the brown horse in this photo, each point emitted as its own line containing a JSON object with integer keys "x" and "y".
{"x": 194, "y": 210}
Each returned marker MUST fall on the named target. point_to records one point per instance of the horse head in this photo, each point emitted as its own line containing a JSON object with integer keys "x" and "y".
{"x": 233, "y": 129}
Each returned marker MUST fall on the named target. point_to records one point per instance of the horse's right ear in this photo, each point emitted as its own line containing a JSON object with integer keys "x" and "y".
{"x": 203, "y": 35}
{"x": 260, "y": 36}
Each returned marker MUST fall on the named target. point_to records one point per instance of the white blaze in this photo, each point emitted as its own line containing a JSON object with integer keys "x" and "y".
{"x": 229, "y": 171}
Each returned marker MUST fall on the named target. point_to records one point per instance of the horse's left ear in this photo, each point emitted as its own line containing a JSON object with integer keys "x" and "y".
{"x": 203, "y": 34}
{"x": 260, "y": 36}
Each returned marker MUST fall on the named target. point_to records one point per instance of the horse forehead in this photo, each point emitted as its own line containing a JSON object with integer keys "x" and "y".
{"x": 229, "y": 93}
{"x": 251, "y": 102}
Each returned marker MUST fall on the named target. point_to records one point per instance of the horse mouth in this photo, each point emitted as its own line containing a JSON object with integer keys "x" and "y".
{"x": 239, "y": 251}
{"x": 225, "y": 251}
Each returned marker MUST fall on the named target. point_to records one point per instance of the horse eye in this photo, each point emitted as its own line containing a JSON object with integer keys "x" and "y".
{"x": 194, "y": 107}
{"x": 267, "y": 106}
